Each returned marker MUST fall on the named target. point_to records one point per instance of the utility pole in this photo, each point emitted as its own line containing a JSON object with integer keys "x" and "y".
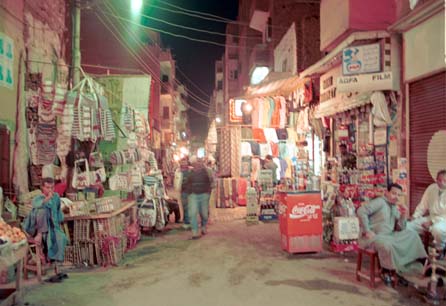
{"x": 76, "y": 51}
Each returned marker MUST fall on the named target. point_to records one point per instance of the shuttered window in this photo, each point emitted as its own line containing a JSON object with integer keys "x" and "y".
{"x": 427, "y": 98}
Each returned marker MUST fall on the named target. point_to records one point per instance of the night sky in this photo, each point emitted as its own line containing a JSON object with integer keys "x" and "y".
{"x": 195, "y": 59}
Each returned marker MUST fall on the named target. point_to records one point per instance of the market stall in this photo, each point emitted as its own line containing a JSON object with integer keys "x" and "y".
{"x": 361, "y": 114}
{"x": 13, "y": 249}
{"x": 272, "y": 138}
{"x": 99, "y": 231}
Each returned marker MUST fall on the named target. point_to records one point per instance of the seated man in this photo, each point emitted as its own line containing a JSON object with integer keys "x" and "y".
{"x": 43, "y": 222}
{"x": 432, "y": 203}
{"x": 395, "y": 249}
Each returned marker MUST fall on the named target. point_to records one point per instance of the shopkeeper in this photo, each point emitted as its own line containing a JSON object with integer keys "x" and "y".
{"x": 43, "y": 222}
{"x": 348, "y": 159}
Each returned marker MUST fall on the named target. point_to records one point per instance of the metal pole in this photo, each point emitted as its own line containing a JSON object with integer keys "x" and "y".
{"x": 76, "y": 52}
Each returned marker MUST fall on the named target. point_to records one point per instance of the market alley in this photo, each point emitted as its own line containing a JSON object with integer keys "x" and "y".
{"x": 235, "y": 264}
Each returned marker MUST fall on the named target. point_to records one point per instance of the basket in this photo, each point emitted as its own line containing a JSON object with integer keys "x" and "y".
{"x": 108, "y": 204}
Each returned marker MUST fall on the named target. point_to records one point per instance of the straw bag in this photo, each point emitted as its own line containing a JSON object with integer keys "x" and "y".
{"x": 81, "y": 176}
{"x": 119, "y": 181}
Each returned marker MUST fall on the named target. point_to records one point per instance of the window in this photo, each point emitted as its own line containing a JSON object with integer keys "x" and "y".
{"x": 166, "y": 112}
{"x": 219, "y": 85}
{"x": 165, "y": 78}
{"x": 233, "y": 75}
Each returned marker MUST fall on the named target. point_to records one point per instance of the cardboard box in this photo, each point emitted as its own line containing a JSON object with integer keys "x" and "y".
{"x": 346, "y": 228}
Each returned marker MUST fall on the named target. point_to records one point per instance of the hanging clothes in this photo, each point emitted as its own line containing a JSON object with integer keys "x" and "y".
{"x": 275, "y": 118}
{"x": 282, "y": 112}
{"x": 258, "y": 135}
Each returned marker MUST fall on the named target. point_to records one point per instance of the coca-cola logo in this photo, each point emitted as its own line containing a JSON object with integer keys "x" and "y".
{"x": 304, "y": 211}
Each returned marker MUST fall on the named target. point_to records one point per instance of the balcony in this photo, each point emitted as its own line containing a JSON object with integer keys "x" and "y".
{"x": 353, "y": 16}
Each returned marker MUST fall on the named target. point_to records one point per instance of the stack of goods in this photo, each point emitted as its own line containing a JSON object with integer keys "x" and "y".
{"x": 11, "y": 239}
{"x": 11, "y": 234}
{"x": 98, "y": 241}
{"x": 268, "y": 205}
{"x": 25, "y": 203}
{"x": 252, "y": 206}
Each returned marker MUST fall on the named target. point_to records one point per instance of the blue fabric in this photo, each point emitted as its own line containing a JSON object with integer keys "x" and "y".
{"x": 57, "y": 240}
{"x": 198, "y": 204}
{"x": 184, "y": 202}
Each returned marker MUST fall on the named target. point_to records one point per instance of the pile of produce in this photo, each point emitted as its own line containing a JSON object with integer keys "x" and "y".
{"x": 13, "y": 234}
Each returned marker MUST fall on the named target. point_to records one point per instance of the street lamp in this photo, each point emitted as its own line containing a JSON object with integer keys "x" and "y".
{"x": 136, "y": 6}
{"x": 259, "y": 74}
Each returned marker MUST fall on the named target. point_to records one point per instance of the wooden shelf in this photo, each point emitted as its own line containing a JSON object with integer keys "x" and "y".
{"x": 127, "y": 205}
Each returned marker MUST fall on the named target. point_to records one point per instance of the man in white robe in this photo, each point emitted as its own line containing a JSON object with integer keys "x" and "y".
{"x": 396, "y": 249}
{"x": 430, "y": 213}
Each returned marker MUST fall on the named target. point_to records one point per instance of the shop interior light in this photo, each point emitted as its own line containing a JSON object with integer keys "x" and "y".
{"x": 218, "y": 119}
{"x": 259, "y": 74}
{"x": 247, "y": 108}
{"x": 184, "y": 150}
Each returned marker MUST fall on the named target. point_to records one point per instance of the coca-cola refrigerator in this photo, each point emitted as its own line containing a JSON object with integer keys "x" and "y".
{"x": 300, "y": 220}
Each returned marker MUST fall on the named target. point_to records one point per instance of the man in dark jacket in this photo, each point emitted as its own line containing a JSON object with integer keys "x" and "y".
{"x": 199, "y": 185}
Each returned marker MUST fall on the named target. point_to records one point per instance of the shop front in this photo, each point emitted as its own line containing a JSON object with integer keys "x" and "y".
{"x": 273, "y": 142}
{"x": 360, "y": 106}
{"x": 424, "y": 79}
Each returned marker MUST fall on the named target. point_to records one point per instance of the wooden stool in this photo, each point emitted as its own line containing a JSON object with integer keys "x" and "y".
{"x": 33, "y": 260}
{"x": 373, "y": 267}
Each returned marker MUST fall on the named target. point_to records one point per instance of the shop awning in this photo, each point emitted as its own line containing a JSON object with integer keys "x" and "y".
{"x": 343, "y": 103}
{"x": 275, "y": 84}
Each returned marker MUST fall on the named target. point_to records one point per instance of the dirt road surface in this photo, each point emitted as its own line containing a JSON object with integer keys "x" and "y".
{"x": 234, "y": 265}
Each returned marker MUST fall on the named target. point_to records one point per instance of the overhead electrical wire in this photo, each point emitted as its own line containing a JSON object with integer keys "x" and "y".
{"x": 197, "y": 30}
{"x": 136, "y": 39}
{"x": 191, "y": 82}
{"x": 199, "y": 14}
{"x": 195, "y": 12}
{"x": 170, "y": 33}
{"x": 139, "y": 59}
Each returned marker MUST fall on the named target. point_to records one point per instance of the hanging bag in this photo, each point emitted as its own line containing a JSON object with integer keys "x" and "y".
{"x": 81, "y": 175}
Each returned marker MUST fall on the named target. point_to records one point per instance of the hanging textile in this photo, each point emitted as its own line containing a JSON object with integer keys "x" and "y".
{"x": 258, "y": 135}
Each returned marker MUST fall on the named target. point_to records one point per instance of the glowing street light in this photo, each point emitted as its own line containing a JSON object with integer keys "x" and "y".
{"x": 136, "y": 6}
{"x": 218, "y": 120}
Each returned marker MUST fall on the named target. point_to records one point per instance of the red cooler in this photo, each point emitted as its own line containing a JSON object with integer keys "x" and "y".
{"x": 300, "y": 219}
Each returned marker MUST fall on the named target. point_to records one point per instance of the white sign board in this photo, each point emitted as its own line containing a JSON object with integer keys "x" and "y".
{"x": 6, "y": 61}
{"x": 366, "y": 82}
{"x": 285, "y": 54}
{"x": 361, "y": 59}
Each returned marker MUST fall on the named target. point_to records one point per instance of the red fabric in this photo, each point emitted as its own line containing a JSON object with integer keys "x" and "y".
{"x": 274, "y": 149}
{"x": 258, "y": 135}
{"x": 60, "y": 188}
{"x": 275, "y": 119}
{"x": 242, "y": 189}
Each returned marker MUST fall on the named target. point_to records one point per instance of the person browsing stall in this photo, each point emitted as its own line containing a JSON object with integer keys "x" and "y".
{"x": 348, "y": 160}
{"x": 396, "y": 249}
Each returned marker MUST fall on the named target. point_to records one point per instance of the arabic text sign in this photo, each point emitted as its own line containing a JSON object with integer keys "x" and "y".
{"x": 361, "y": 59}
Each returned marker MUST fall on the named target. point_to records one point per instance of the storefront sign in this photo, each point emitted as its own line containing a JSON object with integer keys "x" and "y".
{"x": 328, "y": 84}
{"x": 6, "y": 61}
{"x": 285, "y": 55}
{"x": 361, "y": 59}
{"x": 305, "y": 212}
{"x": 366, "y": 82}
{"x": 235, "y": 110}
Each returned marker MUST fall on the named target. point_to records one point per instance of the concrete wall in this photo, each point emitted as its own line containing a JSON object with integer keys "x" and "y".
{"x": 306, "y": 18}
{"x": 339, "y": 18}
{"x": 38, "y": 31}
{"x": 424, "y": 48}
